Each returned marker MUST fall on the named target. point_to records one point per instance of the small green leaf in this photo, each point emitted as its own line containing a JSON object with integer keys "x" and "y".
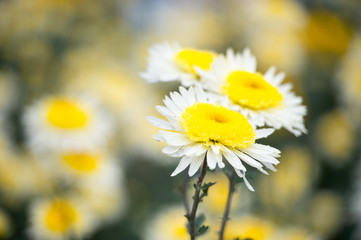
{"x": 202, "y": 230}
{"x": 199, "y": 220}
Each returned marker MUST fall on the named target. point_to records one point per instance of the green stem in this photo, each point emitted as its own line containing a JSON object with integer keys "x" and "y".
{"x": 196, "y": 200}
{"x": 227, "y": 210}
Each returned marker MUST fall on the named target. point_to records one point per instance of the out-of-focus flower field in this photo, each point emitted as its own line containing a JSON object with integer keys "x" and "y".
{"x": 103, "y": 176}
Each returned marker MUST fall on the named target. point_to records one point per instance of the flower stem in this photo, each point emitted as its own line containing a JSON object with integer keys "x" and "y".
{"x": 232, "y": 183}
{"x": 196, "y": 200}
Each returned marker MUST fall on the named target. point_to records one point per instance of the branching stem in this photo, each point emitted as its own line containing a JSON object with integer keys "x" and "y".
{"x": 196, "y": 200}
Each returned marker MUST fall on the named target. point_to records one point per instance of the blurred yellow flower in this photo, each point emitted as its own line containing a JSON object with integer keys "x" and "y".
{"x": 271, "y": 29}
{"x": 327, "y": 33}
{"x": 348, "y": 78}
{"x": 63, "y": 123}
{"x": 188, "y": 24}
{"x": 335, "y": 136}
{"x": 285, "y": 188}
{"x": 107, "y": 202}
{"x": 23, "y": 176}
{"x": 283, "y": 50}
{"x": 59, "y": 218}
{"x": 324, "y": 213}
{"x": 215, "y": 202}
{"x": 248, "y": 227}
{"x": 168, "y": 224}
{"x": 170, "y": 62}
{"x": 278, "y": 15}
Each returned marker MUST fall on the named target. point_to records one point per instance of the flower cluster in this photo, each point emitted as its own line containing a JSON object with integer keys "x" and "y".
{"x": 228, "y": 106}
{"x": 69, "y": 174}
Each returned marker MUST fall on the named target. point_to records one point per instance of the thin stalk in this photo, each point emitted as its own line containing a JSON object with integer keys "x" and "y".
{"x": 196, "y": 200}
{"x": 227, "y": 209}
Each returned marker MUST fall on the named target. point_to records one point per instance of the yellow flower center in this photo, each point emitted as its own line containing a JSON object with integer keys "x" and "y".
{"x": 187, "y": 59}
{"x": 210, "y": 124}
{"x": 60, "y": 216}
{"x": 251, "y": 90}
{"x": 82, "y": 162}
{"x": 67, "y": 114}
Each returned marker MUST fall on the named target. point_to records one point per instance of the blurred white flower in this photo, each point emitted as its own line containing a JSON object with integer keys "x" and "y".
{"x": 170, "y": 62}
{"x": 61, "y": 123}
{"x": 60, "y": 218}
{"x": 257, "y": 96}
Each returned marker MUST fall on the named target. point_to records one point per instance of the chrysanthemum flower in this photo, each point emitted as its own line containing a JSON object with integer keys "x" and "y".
{"x": 171, "y": 62}
{"x": 198, "y": 128}
{"x": 66, "y": 123}
{"x": 256, "y": 95}
{"x": 60, "y": 218}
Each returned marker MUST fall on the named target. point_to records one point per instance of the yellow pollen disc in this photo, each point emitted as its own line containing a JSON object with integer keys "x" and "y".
{"x": 60, "y": 216}
{"x": 251, "y": 90}
{"x": 66, "y": 114}
{"x": 187, "y": 59}
{"x": 210, "y": 124}
{"x": 82, "y": 162}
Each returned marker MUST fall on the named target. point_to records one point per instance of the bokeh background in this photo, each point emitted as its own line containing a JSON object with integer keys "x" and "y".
{"x": 98, "y": 48}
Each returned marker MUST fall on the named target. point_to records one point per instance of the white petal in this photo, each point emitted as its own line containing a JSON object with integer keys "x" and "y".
{"x": 165, "y": 111}
{"x": 175, "y": 139}
{"x": 215, "y": 148}
{"x": 270, "y": 166}
{"x": 265, "y": 149}
{"x": 200, "y": 95}
{"x": 172, "y": 106}
{"x": 170, "y": 149}
{"x": 247, "y": 159}
{"x": 211, "y": 159}
{"x": 262, "y": 158}
{"x": 221, "y": 164}
{"x": 178, "y": 100}
{"x": 195, "y": 149}
{"x": 183, "y": 164}
{"x": 195, "y": 164}
{"x": 243, "y": 175}
{"x": 159, "y": 137}
{"x": 159, "y": 123}
{"x": 233, "y": 159}
{"x": 263, "y": 133}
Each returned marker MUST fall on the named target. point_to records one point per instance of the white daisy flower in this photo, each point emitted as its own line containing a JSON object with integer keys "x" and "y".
{"x": 170, "y": 62}
{"x": 198, "y": 128}
{"x": 64, "y": 123}
{"x": 60, "y": 219}
{"x": 258, "y": 96}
